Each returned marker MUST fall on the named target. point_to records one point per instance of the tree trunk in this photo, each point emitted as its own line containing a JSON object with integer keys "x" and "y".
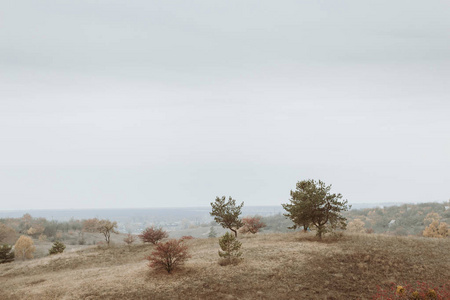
{"x": 235, "y": 232}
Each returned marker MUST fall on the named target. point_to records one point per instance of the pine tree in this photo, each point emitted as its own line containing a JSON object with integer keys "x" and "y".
{"x": 212, "y": 232}
{"x": 57, "y": 247}
{"x": 312, "y": 204}
{"x": 230, "y": 248}
{"x": 227, "y": 213}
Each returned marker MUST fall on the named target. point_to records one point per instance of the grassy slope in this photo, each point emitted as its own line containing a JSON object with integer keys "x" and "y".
{"x": 275, "y": 266}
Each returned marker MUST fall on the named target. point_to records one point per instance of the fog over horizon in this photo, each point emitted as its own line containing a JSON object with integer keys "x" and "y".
{"x": 113, "y": 104}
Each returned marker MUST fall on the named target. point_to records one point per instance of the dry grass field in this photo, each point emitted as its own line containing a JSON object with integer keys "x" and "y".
{"x": 275, "y": 266}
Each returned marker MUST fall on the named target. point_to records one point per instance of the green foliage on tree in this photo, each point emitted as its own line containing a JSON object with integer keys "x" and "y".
{"x": 226, "y": 213}
{"x": 57, "y": 247}
{"x": 6, "y": 254}
{"x": 312, "y": 204}
{"x": 230, "y": 248}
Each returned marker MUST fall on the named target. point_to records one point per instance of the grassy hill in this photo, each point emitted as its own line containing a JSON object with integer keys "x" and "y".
{"x": 275, "y": 266}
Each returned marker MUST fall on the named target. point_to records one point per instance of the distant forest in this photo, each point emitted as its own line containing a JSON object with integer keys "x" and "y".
{"x": 406, "y": 219}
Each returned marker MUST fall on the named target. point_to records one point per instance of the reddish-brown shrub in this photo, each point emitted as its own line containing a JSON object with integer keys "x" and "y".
{"x": 187, "y": 237}
{"x": 153, "y": 235}
{"x": 169, "y": 255}
{"x": 251, "y": 224}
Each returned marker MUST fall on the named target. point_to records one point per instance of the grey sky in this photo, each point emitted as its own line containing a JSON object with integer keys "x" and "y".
{"x": 171, "y": 103}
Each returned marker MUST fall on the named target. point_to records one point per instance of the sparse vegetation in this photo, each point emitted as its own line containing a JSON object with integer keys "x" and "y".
{"x": 169, "y": 255}
{"x": 129, "y": 239}
{"x": 231, "y": 247}
{"x": 416, "y": 291}
{"x": 153, "y": 235}
{"x": 276, "y": 266}
{"x": 226, "y": 213}
{"x": 57, "y": 247}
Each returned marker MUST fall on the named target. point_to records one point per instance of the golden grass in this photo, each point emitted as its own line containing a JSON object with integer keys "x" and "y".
{"x": 275, "y": 266}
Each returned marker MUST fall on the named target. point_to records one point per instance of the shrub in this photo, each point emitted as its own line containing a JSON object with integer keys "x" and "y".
{"x": 436, "y": 229}
{"x": 230, "y": 249}
{"x": 36, "y": 230}
{"x": 417, "y": 291}
{"x": 356, "y": 226}
{"x": 57, "y": 247}
{"x": 187, "y": 237}
{"x": 24, "y": 247}
{"x": 169, "y": 255}
{"x": 251, "y": 225}
{"x": 153, "y": 235}
{"x": 6, "y": 254}
{"x": 129, "y": 239}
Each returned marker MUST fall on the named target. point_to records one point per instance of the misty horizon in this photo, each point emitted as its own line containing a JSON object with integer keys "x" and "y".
{"x": 139, "y": 104}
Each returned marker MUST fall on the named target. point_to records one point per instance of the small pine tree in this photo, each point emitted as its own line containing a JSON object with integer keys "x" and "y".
{"x": 57, "y": 247}
{"x": 226, "y": 213}
{"x": 212, "y": 232}
{"x": 6, "y": 254}
{"x": 230, "y": 249}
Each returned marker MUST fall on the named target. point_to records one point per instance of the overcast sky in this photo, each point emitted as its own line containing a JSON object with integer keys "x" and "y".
{"x": 111, "y": 104}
